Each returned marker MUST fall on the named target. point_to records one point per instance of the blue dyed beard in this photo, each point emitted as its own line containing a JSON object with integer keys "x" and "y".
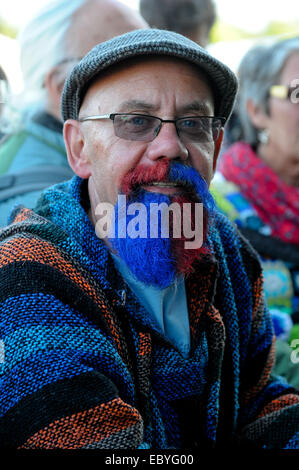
{"x": 151, "y": 260}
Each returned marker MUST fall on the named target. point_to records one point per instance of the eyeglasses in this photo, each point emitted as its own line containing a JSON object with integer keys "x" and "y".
{"x": 143, "y": 127}
{"x": 285, "y": 92}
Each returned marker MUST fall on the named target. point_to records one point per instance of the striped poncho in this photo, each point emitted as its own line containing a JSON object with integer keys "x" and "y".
{"x": 85, "y": 367}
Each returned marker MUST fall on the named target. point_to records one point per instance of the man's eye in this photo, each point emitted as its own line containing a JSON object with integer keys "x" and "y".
{"x": 138, "y": 121}
{"x": 189, "y": 123}
{"x": 135, "y": 121}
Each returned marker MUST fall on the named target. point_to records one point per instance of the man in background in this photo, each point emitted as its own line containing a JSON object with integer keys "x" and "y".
{"x": 3, "y": 88}
{"x": 33, "y": 155}
{"x": 192, "y": 18}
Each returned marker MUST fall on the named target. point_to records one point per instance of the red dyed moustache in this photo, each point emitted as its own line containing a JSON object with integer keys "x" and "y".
{"x": 143, "y": 175}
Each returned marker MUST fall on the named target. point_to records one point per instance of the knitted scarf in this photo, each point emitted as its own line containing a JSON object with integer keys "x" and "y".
{"x": 276, "y": 203}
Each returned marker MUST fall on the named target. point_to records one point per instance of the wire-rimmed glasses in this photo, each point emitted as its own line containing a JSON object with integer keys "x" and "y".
{"x": 143, "y": 127}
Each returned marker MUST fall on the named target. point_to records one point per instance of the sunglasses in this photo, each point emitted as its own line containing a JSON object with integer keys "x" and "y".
{"x": 285, "y": 92}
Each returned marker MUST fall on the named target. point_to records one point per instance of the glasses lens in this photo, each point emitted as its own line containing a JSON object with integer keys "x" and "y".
{"x": 199, "y": 129}
{"x": 135, "y": 127}
{"x": 285, "y": 92}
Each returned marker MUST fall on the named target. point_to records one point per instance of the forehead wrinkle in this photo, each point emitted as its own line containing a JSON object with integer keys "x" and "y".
{"x": 202, "y": 107}
{"x": 139, "y": 104}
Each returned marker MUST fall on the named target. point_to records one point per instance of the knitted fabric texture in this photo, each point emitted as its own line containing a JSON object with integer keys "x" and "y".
{"x": 148, "y": 42}
{"x": 276, "y": 202}
{"x": 279, "y": 259}
{"x": 86, "y": 368}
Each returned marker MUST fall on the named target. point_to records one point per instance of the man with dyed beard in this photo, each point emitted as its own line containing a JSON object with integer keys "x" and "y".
{"x": 117, "y": 336}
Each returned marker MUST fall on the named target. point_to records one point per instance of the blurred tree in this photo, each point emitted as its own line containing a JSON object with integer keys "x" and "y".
{"x": 222, "y": 31}
{"x": 226, "y": 32}
{"x": 276, "y": 28}
{"x": 7, "y": 29}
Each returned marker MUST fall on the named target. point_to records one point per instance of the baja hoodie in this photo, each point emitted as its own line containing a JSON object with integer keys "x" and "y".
{"x": 83, "y": 364}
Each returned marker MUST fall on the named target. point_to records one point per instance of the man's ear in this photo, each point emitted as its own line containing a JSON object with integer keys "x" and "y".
{"x": 218, "y": 143}
{"x": 257, "y": 116}
{"x": 74, "y": 142}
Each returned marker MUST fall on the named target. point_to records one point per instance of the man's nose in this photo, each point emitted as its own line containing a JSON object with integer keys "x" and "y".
{"x": 167, "y": 144}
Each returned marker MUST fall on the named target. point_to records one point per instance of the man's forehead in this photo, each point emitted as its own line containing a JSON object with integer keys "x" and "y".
{"x": 148, "y": 42}
{"x": 151, "y": 64}
{"x": 128, "y": 77}
{"x": 199, "y": 106}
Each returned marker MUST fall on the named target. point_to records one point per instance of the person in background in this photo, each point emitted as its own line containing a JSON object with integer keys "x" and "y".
{"x": 257, "y": 182}
{"x": 134, "y": 339}
{"x": 192, "y": 18}
{"x": 3, "y": 92}
{"x": 52, "y": 42}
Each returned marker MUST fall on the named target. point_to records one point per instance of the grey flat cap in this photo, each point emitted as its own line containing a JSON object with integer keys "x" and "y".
{"x": 147, "y": 42}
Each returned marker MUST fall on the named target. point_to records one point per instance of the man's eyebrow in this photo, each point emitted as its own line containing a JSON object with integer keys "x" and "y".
{"x": 200, "y": 107}
{"x": 136, "y": 104}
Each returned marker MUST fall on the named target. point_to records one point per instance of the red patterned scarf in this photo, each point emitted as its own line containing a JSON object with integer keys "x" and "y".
{"x": 276, "y": 203}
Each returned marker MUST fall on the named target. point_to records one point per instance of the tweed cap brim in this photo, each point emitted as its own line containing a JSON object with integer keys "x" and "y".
{"x": 147, "y": 42}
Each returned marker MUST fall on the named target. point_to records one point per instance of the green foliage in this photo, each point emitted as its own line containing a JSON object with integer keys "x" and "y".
{"x": 225, "y": 32}
{"x": 7, "y": 29}
{"x": 276, "y": 28}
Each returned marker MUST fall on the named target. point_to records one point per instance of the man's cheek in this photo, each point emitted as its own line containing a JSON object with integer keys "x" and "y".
{"x": 204, "y": 162}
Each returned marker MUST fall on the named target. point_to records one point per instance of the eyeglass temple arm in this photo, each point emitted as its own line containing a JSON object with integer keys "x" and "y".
{"x": 95, "y": 117}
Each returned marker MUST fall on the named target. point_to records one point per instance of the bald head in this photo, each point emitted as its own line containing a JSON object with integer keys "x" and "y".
{"x": 97, "y": 21}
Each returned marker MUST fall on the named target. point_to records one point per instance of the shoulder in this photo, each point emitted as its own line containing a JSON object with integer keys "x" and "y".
{"x": 26, "y": 245}
{"x": 31, "y": 251}
{"x": 10, "y": 146}
{"x": 7, "y": 204}
{"x": 39, "y": 273}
